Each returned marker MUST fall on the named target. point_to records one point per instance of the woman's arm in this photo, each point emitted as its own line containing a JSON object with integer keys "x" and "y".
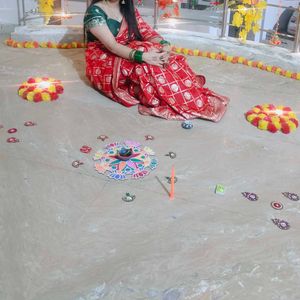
{"x": 149, "y": 34}
{"x": 104, "y": 35}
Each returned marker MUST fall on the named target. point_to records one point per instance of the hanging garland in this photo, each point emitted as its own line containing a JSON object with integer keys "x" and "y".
{"x": 164, "y": 4}
{"x": 247, "y": 16}
{"x": 46, "y": 7}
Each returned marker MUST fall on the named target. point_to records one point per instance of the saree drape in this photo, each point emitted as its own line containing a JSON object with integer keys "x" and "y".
{"x": 174, "y": 92}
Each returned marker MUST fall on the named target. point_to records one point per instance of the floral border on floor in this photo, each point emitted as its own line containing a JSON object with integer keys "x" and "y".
{"x": 238, "y": 60}
{"x": 273, "y": 118}
{"x": 35, "y": 44}
{"x": 196, "y": 52}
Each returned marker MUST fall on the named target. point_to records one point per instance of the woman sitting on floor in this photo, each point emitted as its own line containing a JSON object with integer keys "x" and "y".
{"x": 132, "y": 64}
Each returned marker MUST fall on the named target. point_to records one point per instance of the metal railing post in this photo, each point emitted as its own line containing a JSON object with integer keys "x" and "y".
{"x": 23, "y": 12}
{"x": 297, "y": 33}
{"x": 224, "y": 20}
{"x": 155, "y": 14}
{"x": 262, "y": 26}
{"x": 19, "y": 15}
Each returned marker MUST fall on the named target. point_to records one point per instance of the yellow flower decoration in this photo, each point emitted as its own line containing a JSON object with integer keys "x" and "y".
{"x": 243, "y": 35}
{"x": 242, "y": 9}
{"x": 46, "y": 8}
{"x": 247, "y": 16}
{"x": 237, "y": 20}
{"x": 272, "y": 118}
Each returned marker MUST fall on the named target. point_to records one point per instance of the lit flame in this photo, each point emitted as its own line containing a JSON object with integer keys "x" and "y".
{"x": 44, "y": 85}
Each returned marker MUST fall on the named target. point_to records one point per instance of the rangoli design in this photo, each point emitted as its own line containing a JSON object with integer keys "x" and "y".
{"x": 273, "y": 118}
{"x": 125, "y": 160}
{"x": 41, "y": 89}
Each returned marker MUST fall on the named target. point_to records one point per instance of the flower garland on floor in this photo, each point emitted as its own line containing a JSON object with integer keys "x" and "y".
{"x": 34, "y": 44}
{"x": 196, "y": 52}
{"x": 41, "y": 89}
{"x": 238, "y": 60}
{"x": 46, "y": 7}
{"x": 273, "y": 118}
{"x": 247, "y": 16}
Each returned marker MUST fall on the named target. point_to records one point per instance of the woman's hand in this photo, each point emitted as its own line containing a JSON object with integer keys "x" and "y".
{"x": 167, "y": 48}
{"x": 156, "y": 58}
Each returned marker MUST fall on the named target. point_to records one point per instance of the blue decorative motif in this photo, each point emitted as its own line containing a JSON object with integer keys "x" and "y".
{"x": 187, "y": 125}
{"x": 113, "y": 162}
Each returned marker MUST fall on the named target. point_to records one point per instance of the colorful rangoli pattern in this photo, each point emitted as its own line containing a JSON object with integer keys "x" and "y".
{"x": 140, "y": 163}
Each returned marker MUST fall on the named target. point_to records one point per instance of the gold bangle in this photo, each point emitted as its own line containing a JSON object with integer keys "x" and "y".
{"x": 131, "y": 55}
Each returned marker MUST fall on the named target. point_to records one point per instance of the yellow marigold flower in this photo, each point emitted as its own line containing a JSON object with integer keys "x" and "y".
{"x": 277, "y": 124}
{"x": 261, "y": 116}
{"x": 261, "y": 4}
{"x": 260, "y": 64}
{"x": 242, "y": 9}
{"x": 30, "y": 96}
{"x": 241, "y": 60}
{"x": 178, "y": 50}
{"x": 246, "y": 2}
{"x": 263, "y": 125}
{"x": 237, "y": 19}
{"x": 52, "y": 89}
{"x": 243, "y": 35}
{"x": 298, "y": 76}
{"x": 255, "y": 28}
{"x": 251, "y": 117}
{"x": 288, "y": 74}
{"x": 292, "y": 125}
{"x": 185, "y": 51}
{"x": 46, "y": 97}
{"x": 275, "y": 119}
{"x": 196, "y": 52}
{"x": 292, "y": 115}
{"x": 213, "y": 55}
{"x": 229, "y": 58}
{"x": 248, "y": 25}
{"x": 21, "y": 91}
{"x": 257, "y": 16}
{"x": 256, "y": 110}
{"x": 269, "y": 68}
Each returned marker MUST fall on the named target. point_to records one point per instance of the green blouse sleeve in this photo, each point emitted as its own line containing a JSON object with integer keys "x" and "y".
{"x": 94, "y": 16}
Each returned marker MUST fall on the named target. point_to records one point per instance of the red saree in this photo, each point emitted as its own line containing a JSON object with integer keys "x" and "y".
{"x": 173, "y": 92}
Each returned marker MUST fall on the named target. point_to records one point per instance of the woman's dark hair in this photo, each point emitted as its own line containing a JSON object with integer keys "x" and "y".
{"x": 127, "y": 10}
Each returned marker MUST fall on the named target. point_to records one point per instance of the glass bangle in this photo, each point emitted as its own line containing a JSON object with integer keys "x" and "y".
{"x": 131, "y": 55}
{"x": 138, "y": 56}
{"x": 164, "y": 42}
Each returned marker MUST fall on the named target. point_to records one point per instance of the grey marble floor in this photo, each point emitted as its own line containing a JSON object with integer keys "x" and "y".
{"x": 67, "y": 235}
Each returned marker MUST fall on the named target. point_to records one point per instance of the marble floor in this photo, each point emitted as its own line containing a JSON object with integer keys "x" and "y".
{"x": 66, "y": 234}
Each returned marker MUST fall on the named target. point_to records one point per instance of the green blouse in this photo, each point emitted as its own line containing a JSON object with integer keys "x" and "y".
{"x": 96, "y": 16}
